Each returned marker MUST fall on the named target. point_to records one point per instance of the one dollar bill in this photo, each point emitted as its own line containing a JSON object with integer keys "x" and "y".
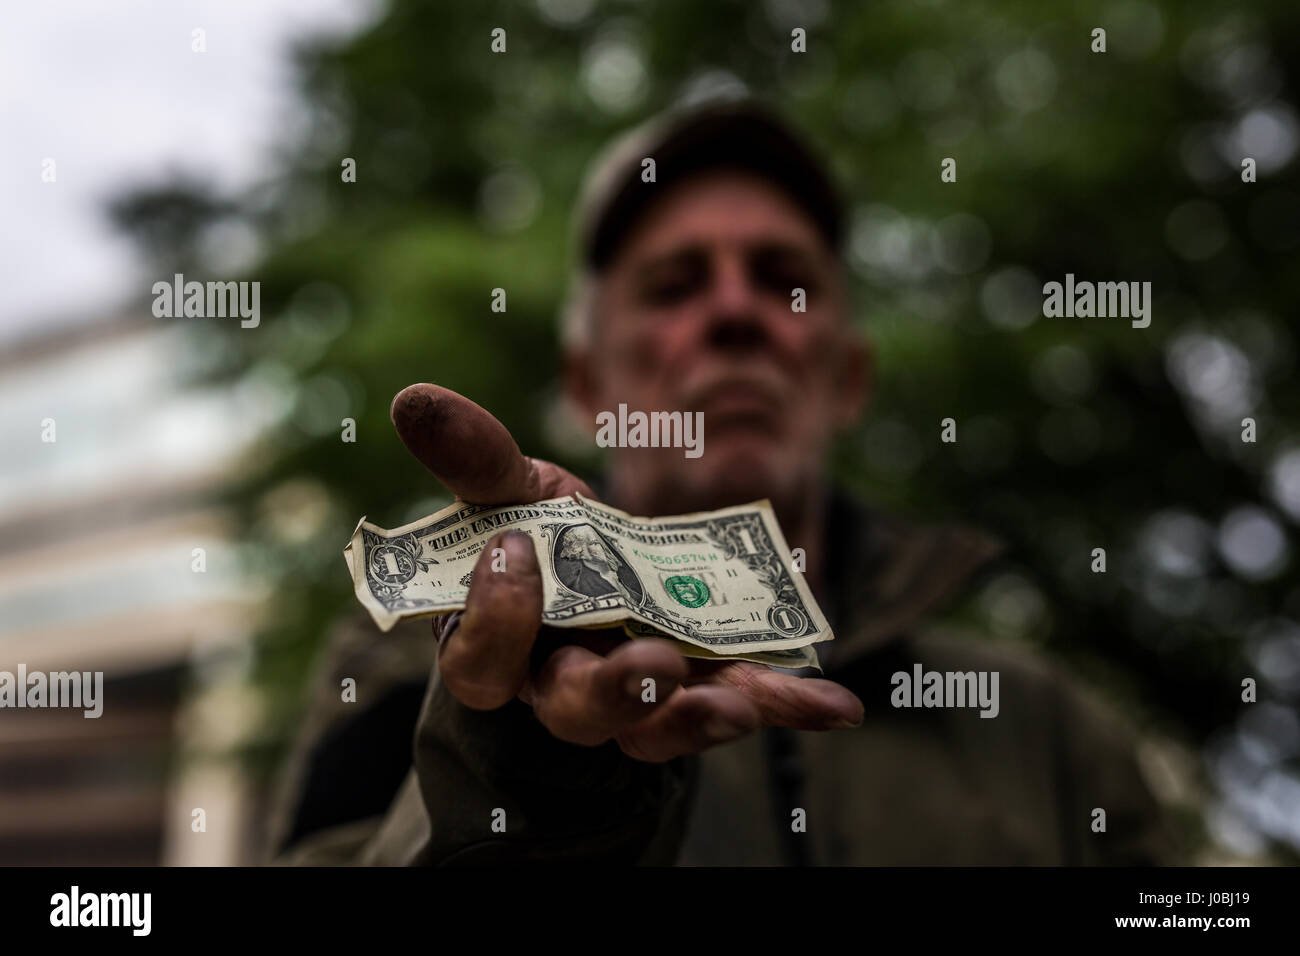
{"x": 722, "y": 581}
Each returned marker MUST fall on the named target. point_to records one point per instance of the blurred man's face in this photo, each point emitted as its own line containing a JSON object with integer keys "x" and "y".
{"x": 695, "y": 314}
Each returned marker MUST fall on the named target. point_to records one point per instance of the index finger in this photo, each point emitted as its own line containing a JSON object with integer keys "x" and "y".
{"x": 804, "y": 703}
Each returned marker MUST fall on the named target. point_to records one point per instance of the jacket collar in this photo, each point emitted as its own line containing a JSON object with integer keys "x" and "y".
{"x": 884, "y": 574}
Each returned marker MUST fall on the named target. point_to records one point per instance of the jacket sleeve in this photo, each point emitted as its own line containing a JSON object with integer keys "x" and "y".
{"x": 494, "y": 787}
{"x": 1102, "y": 770}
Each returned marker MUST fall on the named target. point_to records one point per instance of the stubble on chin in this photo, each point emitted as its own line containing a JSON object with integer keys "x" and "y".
{"x": 721, "y": 484}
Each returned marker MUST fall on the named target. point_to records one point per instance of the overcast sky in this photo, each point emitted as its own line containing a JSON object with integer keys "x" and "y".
{"x": 113, "y": 93}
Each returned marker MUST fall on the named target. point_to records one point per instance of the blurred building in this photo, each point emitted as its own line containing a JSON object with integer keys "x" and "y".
{"x": 111, "y": 561}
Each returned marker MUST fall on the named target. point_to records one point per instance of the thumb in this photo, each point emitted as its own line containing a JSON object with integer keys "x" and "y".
{"x": 464, "y": 446}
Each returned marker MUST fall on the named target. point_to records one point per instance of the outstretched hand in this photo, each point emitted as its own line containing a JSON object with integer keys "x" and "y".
{"x": 584, "y": 686}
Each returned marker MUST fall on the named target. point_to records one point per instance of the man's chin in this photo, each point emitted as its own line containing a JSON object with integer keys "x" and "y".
{"x": 735, "y": 474}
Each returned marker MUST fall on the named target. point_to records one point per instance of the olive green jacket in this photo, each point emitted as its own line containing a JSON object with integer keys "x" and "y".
{"x": 407, "y": 775}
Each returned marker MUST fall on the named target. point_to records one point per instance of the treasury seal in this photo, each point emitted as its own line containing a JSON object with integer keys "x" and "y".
{"x": 687, "y": 591}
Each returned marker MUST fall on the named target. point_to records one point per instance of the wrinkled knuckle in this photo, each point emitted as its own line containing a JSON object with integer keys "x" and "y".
{"x": 743, "y": 679}
{"x": 477, "y": 691}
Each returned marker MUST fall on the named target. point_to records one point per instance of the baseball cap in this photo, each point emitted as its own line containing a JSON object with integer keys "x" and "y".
{"x": 737, "y": 133}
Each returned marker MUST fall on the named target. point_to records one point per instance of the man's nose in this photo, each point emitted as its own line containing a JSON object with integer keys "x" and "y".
{"x": 734, "y": 318}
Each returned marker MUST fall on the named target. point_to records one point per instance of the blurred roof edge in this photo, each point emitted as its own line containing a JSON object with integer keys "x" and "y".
{"x": 50, "y": 338}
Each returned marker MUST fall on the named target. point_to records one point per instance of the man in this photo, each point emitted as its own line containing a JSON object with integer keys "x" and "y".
{"x": 534, "y": 745}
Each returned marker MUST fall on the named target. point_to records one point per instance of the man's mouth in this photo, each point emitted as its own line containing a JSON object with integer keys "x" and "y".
{"x": 739, "y": 406}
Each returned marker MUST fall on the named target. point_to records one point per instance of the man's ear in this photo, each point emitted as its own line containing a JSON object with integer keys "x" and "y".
{"x": 855, "y": 378}
{"x": 581, "y": 382}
